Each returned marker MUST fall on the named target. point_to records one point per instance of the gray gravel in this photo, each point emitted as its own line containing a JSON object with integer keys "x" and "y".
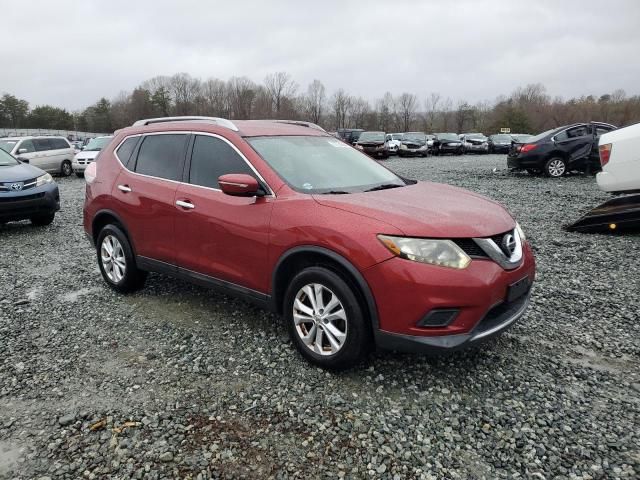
{"x": 178, "y": 381}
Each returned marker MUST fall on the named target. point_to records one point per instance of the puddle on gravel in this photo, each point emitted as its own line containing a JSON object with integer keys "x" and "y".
{"x": 9, "y": 456}
{"x": 76, "y": 294}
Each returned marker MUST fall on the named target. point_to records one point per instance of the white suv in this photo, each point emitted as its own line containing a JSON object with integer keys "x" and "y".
{"x": 51, "y": 154}
{"x": 620, "y": 159}
{"x": 89, "y": 154}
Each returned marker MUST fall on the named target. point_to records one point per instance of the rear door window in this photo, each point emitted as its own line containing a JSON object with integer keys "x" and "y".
{"x": 42, "y": 144}
{"x": 59, "y": 143}
{"x": 213, "y": 157}
{"x": 161, "y": 156}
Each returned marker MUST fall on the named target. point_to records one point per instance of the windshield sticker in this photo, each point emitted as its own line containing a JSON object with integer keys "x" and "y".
{"x": 307, "y": 186}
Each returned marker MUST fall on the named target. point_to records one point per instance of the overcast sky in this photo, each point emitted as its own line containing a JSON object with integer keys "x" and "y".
{"x": 70, "y": 53}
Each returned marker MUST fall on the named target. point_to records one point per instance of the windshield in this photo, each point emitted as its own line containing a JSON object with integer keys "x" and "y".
{"x": 501, "y": 138}
{"x": 322, "y": 164}
{"x": 396, "y": 136}
{"x": 415, "y": 136}
{"x": 7, "y": 145}
{"x": 371, "y": 137}
{"x": 97, "y": 144}
{"x": 6, "y": 159}
{"x": 474, "y": 135}
{"x": 524, "y": 137}
{"x": 447, "y": 136}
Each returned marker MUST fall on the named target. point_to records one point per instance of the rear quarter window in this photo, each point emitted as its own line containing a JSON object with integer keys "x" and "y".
{"x": 125, "y": 150}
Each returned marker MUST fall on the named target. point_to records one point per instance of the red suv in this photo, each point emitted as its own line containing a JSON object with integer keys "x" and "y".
{"x": 287, "y": 216}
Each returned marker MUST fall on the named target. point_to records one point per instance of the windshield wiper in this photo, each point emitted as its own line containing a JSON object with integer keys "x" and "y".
{"x": 384, "y": 186}
{"x": 335, "y": 192}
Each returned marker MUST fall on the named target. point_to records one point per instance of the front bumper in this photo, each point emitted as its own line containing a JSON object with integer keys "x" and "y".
{"x": 29, "y": 203}
{"x": 80, "y": 165}
{"x": 406, "y": 292}
{"x": 497, "y": 320}
{"x": 476, "y": 148}
{"x": 413, "y": 151}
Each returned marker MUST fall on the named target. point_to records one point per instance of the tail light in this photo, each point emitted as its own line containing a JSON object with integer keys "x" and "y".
{"x": 605, "y": 154}
{"x": 90, "y": 173}
{"x": 528, "y": 147}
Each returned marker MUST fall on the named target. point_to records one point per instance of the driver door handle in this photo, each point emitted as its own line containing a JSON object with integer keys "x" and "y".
{"x": 124, "y": 188}
{"x": 185, "y": 204}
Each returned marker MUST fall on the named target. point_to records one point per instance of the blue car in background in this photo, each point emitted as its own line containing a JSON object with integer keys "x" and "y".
{"x": 26, "y": 192}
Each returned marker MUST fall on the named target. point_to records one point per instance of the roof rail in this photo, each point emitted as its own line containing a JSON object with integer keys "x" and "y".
{"x": 302, "y": 124}
{"x": 223, "y": 122}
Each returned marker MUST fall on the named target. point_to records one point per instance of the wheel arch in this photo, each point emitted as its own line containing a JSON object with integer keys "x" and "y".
{"x": 297, "y": 258}
{"x": 105, "y": 217}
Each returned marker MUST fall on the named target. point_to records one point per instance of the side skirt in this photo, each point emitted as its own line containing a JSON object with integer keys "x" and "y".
{"x": 259, "y": 299}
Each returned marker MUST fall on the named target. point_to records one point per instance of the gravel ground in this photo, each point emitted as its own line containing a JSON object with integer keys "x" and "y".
{"x": 179, "y": 381}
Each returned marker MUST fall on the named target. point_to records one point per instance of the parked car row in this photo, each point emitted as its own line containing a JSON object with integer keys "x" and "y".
{"x": 420, "y": 144}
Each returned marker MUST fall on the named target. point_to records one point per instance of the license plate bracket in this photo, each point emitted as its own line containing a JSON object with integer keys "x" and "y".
{"x": 517, "y": 289}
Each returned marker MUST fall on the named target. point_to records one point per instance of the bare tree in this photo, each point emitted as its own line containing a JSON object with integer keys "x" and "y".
{"x": 340, "y": 103}
{"x": 214, "y": 92}
{"x": 358, "y": 110}
{"x": 184, "y": 89}
{"x": 315, "y": 100}
{"x": 407, "y": 104}
{"x": 242, "y": 92}
{"x": 431, "y": 111}
{"x": 385, "y": 108}
{"x": 279, "y": 86}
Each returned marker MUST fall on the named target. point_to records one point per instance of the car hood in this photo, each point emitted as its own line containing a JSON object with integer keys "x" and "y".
{"x": 428, "y": 210}
{"x": 87, "y": 154}
{"x": 19, "y": 173}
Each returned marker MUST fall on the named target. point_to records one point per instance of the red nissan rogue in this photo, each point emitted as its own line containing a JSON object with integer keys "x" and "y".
{"x": 285, "y": 215}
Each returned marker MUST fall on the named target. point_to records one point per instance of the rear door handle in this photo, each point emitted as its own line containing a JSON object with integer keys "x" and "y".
{"x": 185, "y": 204}
{"x": 124, "y": 188}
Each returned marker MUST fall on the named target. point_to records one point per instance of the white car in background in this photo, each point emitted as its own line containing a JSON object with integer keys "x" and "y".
{"x": 49, "y": 153}
{"x": 620, "y": 160}
{"x": 89, "y": 154}
{"x": 474, "y": 143}
{"x": 393, "y": 141}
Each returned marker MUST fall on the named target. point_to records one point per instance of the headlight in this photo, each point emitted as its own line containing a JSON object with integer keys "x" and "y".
{"x": 380, "y": 147}
{"x": 444, "y": 253}
{"x": 521, "y": 233}
{"x": 43, "y": 180}
{"x": 403, "y": 146}
{"x": 359, "y": 147}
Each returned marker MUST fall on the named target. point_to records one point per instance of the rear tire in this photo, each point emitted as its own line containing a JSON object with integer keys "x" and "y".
{"x": 43, "y": 220}
{"x": 325, "y": 320}
{"x": 117, "y": 262}
{"x": 555, "y": 167}
{"x": 66, "y": 168}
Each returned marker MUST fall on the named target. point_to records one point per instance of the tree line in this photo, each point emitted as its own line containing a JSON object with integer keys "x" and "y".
{"x": 528, "y": 109}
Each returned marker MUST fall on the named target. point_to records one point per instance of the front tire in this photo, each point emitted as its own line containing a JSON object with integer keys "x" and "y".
{"x": 117, "y": 262}
{"x": 555, "y": 167}
{"x": 66, "y": 168}
{"x": 325, "y": 320}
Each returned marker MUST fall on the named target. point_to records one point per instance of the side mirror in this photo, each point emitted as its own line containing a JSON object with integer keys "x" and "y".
{"x": 240, "y": 185}
{"x": 22, "y": 159}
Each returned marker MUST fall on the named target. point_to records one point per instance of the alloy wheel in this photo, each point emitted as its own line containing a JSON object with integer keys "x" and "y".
{"x": 556, "y": 168}
{"x": 320, "y": 319}
{"x": 113, "y": 259}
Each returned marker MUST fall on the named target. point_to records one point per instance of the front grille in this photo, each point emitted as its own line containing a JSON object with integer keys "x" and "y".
{"x": 22, "y": 198}
{"x": 470, "y": 247}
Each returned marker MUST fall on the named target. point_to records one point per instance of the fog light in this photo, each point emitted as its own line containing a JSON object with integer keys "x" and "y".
{"x": 613, "y": 226}
{"x": 439, "y": 317}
